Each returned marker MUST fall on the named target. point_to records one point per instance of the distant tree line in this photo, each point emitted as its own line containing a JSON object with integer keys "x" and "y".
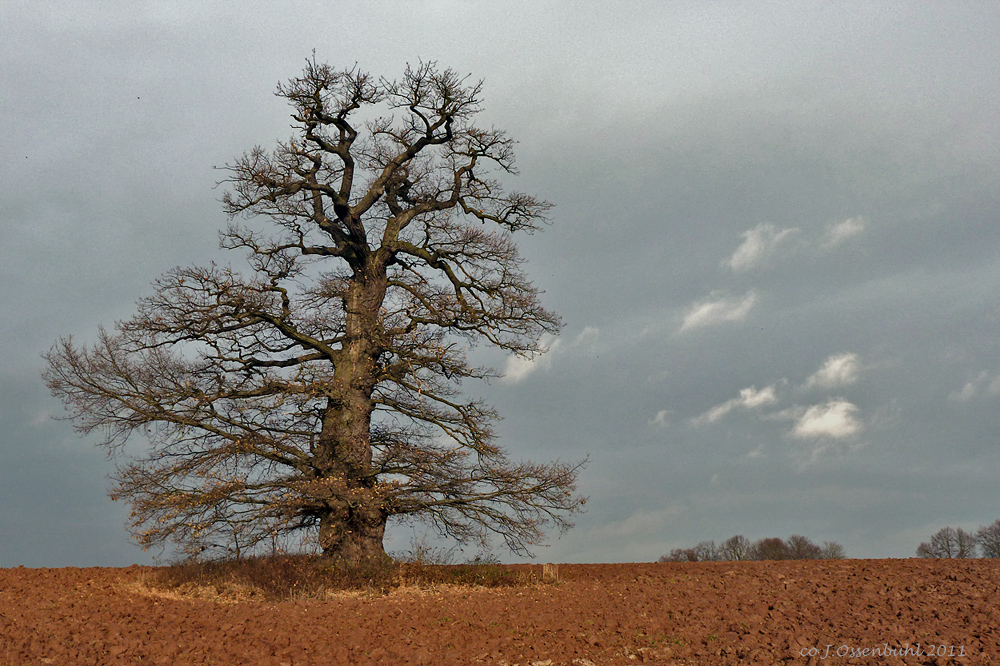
{"x": 738, "y": 547}
{"x": 951, "y": 542}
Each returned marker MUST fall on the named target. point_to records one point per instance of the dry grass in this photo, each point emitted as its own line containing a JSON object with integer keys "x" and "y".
{"x": 289, "y": 577}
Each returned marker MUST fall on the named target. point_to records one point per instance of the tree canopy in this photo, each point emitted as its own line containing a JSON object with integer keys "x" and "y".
{"x": 317, "y": 392}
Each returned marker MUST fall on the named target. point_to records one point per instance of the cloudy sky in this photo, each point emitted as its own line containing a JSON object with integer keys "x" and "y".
{"x": 776, "y": 245}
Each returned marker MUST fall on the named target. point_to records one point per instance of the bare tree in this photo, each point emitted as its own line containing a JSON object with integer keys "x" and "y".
{"x": 739, "y": 548}
{"x": 832, "y": 551}
{"x": 966, "y": 543}
{"x": 949, "y": 542}
{"x": 801, "y": 548}
{"x": 707, "y": 551}
{"x": 941, "y": 545}
{"x": 989, "y": 539}
{"x": 680, "y": 555}
{"x": 319, "y": 391}
{"x": 771, "y": 548}
{"x": 735, "y": 548}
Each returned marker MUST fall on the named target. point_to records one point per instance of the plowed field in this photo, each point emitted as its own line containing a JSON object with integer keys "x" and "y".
{"x": 900, "y": 611}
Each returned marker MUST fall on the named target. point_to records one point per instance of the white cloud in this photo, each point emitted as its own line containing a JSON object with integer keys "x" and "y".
{"x": 838, "y": 370}
{"x": 519, "y": 367}
{"x": 719, "y": 310}
{"x": 749, "y": 398}
{"x": 758, "y": 245}
{"x": 752, "y": 398}
{"x": 588, "y": 336}
{"x": 661, "y": 419}
{"x": 981, "y": 385}
{"x": 838, "y": 233}
{"x": 968, "y": 392}
{"x": 716, "y": 413}
{"x": 834, "y": 419}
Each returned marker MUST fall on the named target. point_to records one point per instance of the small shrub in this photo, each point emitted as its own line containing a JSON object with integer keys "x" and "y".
{"x": 283, "y": 577}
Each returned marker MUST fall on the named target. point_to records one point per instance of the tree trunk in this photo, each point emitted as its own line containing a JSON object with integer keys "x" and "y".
{"x": 354, "y": 540}
{"x": 352, "y": 522}
{"x": 352, "y": 519}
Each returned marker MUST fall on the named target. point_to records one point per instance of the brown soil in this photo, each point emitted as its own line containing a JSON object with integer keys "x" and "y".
{"x": 707, "y": 613}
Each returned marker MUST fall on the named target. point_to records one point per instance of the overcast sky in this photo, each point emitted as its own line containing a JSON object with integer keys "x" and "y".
{"x": 776, "y": 245}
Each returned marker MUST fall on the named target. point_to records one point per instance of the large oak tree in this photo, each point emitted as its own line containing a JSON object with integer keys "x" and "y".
{"x": 318, "y": 392}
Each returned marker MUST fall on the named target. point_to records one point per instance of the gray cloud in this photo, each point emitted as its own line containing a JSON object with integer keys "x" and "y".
{"x": 799, "y": 199}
